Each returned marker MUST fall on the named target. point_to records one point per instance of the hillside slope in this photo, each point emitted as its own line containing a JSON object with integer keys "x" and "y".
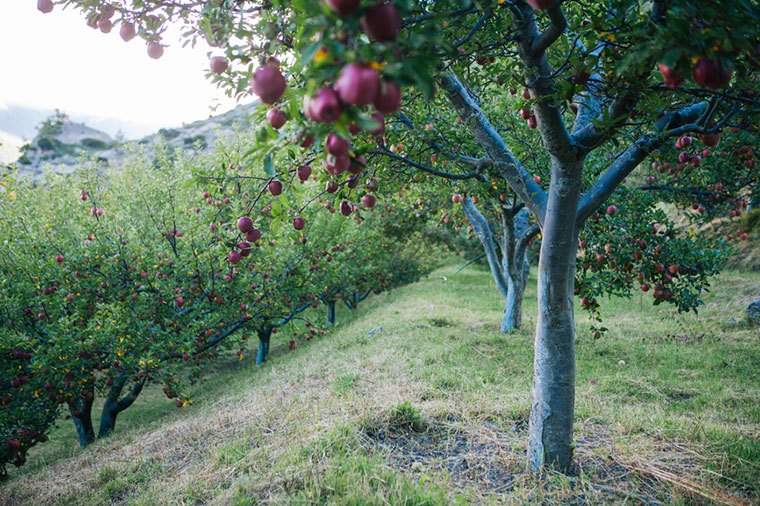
{"x": 417, "y": 399}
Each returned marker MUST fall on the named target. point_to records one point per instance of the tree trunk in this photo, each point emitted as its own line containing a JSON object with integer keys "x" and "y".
{"x": 81, "y": 415}
{"x": 331, "y": 312}
{"x": 551, "y": 418}
{"x": 108, "y": 418}
{"x": 512, "y": 318}
{"x": 263, "y": 351}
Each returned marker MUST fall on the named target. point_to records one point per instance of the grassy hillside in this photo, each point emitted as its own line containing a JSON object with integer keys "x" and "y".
{"x": 418, "y": 399}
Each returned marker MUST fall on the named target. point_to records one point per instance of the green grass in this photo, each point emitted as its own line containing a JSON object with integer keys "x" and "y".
{"x": 416, "y": 398}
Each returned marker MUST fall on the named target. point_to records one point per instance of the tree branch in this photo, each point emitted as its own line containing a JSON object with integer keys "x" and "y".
{"x": 485, "y": 234}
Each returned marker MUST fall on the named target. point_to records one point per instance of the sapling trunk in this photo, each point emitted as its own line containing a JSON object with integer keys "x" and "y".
{"x": 262, "y": 353}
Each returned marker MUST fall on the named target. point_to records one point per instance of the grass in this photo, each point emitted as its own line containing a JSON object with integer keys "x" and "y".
{"x": 417, "y": 399}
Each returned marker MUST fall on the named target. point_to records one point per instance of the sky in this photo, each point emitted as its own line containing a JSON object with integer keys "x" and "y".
{"x": 56, "y": 61}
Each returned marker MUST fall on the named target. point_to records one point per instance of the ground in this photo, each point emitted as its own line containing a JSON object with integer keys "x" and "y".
{"x": 416, "y": 398}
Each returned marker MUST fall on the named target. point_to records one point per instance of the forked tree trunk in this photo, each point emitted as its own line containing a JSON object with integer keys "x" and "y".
{"x": 81, "y": 414}
{"x": 115, "y": 403}
{"x": 551, "y": 417}
{"x": 262, "y": 353}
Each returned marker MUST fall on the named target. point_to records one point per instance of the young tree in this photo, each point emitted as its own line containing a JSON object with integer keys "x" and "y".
{"x": 590, "y": 91}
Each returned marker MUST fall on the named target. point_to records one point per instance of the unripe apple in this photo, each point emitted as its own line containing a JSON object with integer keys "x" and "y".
{"x": 368, "y": 201}
{"x": 298, "y": 223}
{"x": 304, "y": 171}
{"x": 357, "y": 84}
{"x": 268, "y": 83}
{"x": 234, "y": 257}
{"x": 343, "y": 7}
{"x": 388, "y": 99}
{"x": 712, "y": 73}
{"x": 155, "y": 49}
{"x": 275, "y": 187}
{"x": 218, "y": 64}
{"x": 381, "y": 22}
{"x": 45, "y": 6}
{"x": 337, "y": 145}
{"x": 244, "y": 224}
{"x": 324, "y": 106}
{"x": 276, "y": 118}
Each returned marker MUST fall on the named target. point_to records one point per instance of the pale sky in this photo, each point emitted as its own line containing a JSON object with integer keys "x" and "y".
{"x": 56, "y": 61}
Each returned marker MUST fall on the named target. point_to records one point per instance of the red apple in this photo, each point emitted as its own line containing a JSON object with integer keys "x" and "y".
{"x": 368, "y": 201}
{"x": 218, "y": 64}
{"x": 388, "y": 99}
{"x": 105, "y": 25}
{"x": 712, "y": 73}
{"x": 275, "y": 187}
{"x": 611, "y": 210}
{"x": 304, "y": 171}
{"x": 457, "y": 198}
{"x": 127, "y": 31}
{"x": 343, "y": 7}
{"x": 532, "y": 122}
{"x": 345, "y": 208}
{"x": 45, "y": 6}
{"x": 525, "y": 113}
{"x": 155, "y": 49}
{"x": 671, "y": 78}
{"x": 234, "y": 257}
{"x": 268, "y": 83}
{"x": 179, "y": 300}
{"x": 245, "y": 248}
{"x": 59, "y": 259}
{"x": 357, "y": 84}
{"x": 298, "y": 223}
{"x": 324, "y": 107}
{"x": 711, "y": 140}
{"x": 337, "y": 145}
{"x": 244, "y": 224}
{"x": 307, "y": 140}
{"x": 381, "y": 22}
{"x": 253, "y": 235}
{"x": 644, "y": 287}
{"x": 276, "y": 118}
{"x": 331, "y": 187}
{"x": 337, "y": 164}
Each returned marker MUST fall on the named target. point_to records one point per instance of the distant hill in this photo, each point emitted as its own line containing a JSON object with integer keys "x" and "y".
{"x": 61, "y": 143}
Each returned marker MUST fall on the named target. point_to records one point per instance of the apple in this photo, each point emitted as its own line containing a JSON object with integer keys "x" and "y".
{"x": 337, "y": 164}
{"x": 532, "y": 122}
{"x": 179, "y": 300}
{"x": 337, "y": 145}
{"x": 105, "y": 25}
{"x": 611, "y": 210}
{"x": 457, "y": 198}
{"x": 127, "y": 31}
{"x": 331, "y": 187}
{"x": 14, "y": 444}
{"x": 379, "y": 119}
{"x": 268, "y": 83}
{"x": 357, "y": 84}
{"x": 155, "y": 49}
{"x": 324, "y": 106}
{"x": 525, "y": 113}
{"x": 307, "y": 140}
{"x": 245, "y": 248}
{"x": 253, "y": 235}
{"x": 526, "y": 94}
{"x": 298, "y": 223}
{"x": 59, "y": 259}
{"x": 234, "y": 257}
{"x": 45, "y": 6}
{"x": 244, "y": 224}
{"x": 671, "y": 78}
{"x": 368, "y": 201}
{"x": 343, "y": 7}
{"x": 673, "y": 269}
{"x": 218, "y": 64}
{"x": 304, "y": 171}
{"x": 388, "y": 99}
{"x": 711, "y": 140}
{"x": 345, "y": 208}
{"x": 275, "y": 187}
{"x": 712, "y": 73}
{"x": 276, "y": 118}
{"x": 381, "y": 22}
{"x": 84, "y": 196}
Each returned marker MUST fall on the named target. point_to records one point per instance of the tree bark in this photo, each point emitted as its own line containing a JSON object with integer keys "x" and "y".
{"x": 81, "y": 415}
{"x": 551, "y": 418}
{"x": 262, "y": 353}
{"x": 331, "y": 312}
{"x": 512, "y": 319}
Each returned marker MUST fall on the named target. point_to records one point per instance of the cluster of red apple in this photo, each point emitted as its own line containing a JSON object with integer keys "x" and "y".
{"x": 711, "y": 73}
{"x": 103, "y": 21}
{"x": 525, "y": 112}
